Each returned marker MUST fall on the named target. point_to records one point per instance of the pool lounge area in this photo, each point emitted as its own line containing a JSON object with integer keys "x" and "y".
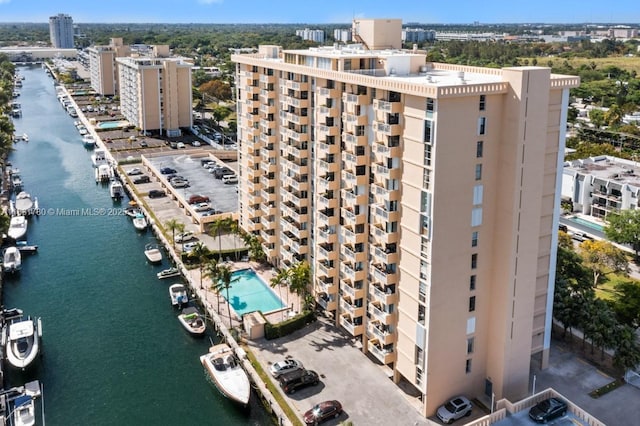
{"x": 250, "y": 293}
{"x": 589, "y": 224}
{"x": 111, "y": 125}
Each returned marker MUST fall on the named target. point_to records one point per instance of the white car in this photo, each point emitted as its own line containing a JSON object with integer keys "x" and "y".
{"x": 195, "y": 143}
{"x": 284, "y": 366}
{"x": 200, "y": 207}
{"x": 180, "y": 145}
{"x": 454, "y": 409}
{"x": 135, "y": 171}
{"x": 188, "y": 247}
{"x": 184, "y": 236}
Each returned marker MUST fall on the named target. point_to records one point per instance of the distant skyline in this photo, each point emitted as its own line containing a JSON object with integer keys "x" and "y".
{"x": 300, "y": 11}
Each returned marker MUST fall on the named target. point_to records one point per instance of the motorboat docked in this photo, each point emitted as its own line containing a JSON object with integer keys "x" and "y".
{"x": 104, "y": 173}
{"x": 153, "y": 253}
{"x": 24, "y": 204}
{"x": 132, "y": 211}
{"x": 99, "y": 157}
{"x": 179, "y": 294}
{"x": 140, "y": 222}
{"x": 11, "y": 260}
{"x": 168, "y": 273}
{"x": 24, "y": 411}
{"x": 17, "y": 227}
{"x": 23, "y": 341}
{"x": 227, "y": 373}
{"x": 89, "y": 141}
{"x": 192, "y": 321}
{"x": 16, "y": 181}
{"x": 21, "y": 138}
{"x": 25, "y": 247}
{"x": 116, "y": 189}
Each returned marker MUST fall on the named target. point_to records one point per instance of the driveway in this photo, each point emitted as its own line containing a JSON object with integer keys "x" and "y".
{"x": 367, "y": 394}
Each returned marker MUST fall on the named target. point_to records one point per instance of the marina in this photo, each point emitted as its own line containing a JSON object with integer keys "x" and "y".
{"x": 131, "y": 374}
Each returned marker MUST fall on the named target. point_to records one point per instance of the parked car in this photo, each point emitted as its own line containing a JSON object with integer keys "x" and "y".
{"x": 156, "y": 193}
{"x": 201, "y": 207}
{"x": 210, "y": 212}
{"x": 549, "y": 409}
{"x": 179, "y": 183}
{"x": 294, "y": 380}
{"x": 220, "y": 173}
{"x": 230, "y": 179}
{"x": 135, "y": 171}
{"x": 581, "y": 236}
{"x": 143, "y": 143}
{"x": 454, "y": 409}
{"x": 195, "y": 143}
{"x": 285, "y": 366}
{"x": 196, "y": 199}
{"x": 167, "y": 170}
{"x": 142, "y": 179}
{"x": 173, "y": 145}
{"x": 184, "y": 237}
{"x": 206, "y": 161}
{"x": 180, "y": 145}
{"x": 188, "y": 247}
{"x": 323, "y": 411}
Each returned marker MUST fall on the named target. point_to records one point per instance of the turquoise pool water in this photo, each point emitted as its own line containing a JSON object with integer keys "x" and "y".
{"x": 587, "y": 223}
{"x": 250, "y": 294}
{"x": 107, "y": 125}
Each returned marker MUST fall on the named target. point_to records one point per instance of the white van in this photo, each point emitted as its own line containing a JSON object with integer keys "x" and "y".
{"x": 229, "y": 179}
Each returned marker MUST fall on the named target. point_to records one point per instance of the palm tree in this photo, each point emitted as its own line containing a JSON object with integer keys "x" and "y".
{"x": 225, "y": 282}
{"x": 216, "y": 227}
{"x": 299, "y": 280}
{"x": 235, "y": 230}
{"x": 200, "y": 254}
{"x": 174, "y": 226}
{"x": 282, "y": 277}
{"x": 212, "y": 271}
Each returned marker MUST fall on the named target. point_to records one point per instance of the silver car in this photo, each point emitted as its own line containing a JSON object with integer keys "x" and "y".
{"x": 454, "y": 409}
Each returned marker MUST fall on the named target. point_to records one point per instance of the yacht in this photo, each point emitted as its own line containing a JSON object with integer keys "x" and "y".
{"x": 153, "y": 253}
{"x": 89, "y": 141}
{"x": 17, "y": 227}
{"x": 227, "y": 373}
{"x": 116, "y": 189}
{"x": 99, "y": 157}
{"x": 24, "y": 204}
{"x": 16, "y": 181}
{"x": 178, "y": 294}
{"x": 11, "y": 260}
{"x": 23, "y": 341}
{"x": 104, "y": 173}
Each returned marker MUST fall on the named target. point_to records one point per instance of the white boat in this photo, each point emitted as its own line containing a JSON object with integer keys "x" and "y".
{"x": 11, "y": 260}
{"x": 192, "y": 321}
{"x": 153, "y": 253}
{"x": 227, "y": 373}
{"x": 23, "y": 342}
{"x": 168, "y": 273}
{"x": 116, "y": 189}
{"x": 140, "y": 222}
{"x": 99, "y": 157}
{"x": 24, "y": 204}
{"x": 88, "y": 140}
{"x": 24, "y": 411}
{"x": 16, "y": 182}
{"x": 17, "y": 227}
{"x": 104, "y": 173}
{"x": 178, "y": 294}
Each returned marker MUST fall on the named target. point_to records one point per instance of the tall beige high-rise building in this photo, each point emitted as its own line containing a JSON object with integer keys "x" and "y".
{"x": 103, "y": 68}
{"x": 155, "y": 93}
{"x": 424, "y": 196}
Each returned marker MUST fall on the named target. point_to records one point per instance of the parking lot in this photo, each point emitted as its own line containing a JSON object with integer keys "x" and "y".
{"x": 346, "y": 375}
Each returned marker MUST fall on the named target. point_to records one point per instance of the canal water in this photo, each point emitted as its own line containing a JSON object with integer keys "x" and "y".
{"x": 113, "y": 350}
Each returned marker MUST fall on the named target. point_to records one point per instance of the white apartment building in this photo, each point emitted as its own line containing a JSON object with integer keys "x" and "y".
{"x": 313, "y": 35}
{"x": 61, "y": 31}
{"x": 424, "y": 196}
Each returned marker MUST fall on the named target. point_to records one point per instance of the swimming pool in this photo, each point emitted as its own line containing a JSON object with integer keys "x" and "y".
{"x": 250, "y": 294}
{"x": 587, "y": 223}
{"x": 110, "y": 125}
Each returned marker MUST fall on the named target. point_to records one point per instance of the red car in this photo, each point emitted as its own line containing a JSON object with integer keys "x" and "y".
{"x": 323, "y": 411}
{"x": 196, "y": 199}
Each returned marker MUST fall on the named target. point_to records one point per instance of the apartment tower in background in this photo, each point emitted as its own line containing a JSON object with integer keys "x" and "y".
{"x": 61, "y": 31}
{"x": 103, "y": 68}
{"x": 424, "y": 196}
{"x": 155, "y": 92}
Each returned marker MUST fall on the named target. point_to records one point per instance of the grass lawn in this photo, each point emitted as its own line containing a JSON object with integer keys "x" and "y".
{"x": 623, "y": 62}
{"x": 606, "y": 290}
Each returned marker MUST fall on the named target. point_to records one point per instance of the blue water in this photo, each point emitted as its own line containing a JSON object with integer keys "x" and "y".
{"x": 105, "y": 125}
{"x": 113, "y": 350}
{"x": 587, "y": 223}
{"x": 249, "y": 293}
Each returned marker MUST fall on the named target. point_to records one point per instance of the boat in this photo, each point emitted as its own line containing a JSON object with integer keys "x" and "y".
{"x": 24, "y": 411}
{"x": 99, "y": 157}
{"x": 116, "y": 189}
{"x": 192, "y": 321}
{"x": 23, "y": 341}
{"x": 153, "y": 253}
{"x": 178, "y": 294}
{"x": 25, "y": 247}
{"x": 17, "y": 227}
{"x": 103, "y": 173}
{"x": 16, "y": 182}
{"x": 11, "y": 260}
{"x": 226, "y": 372}
{"x": 140, "y": 222}
{"x": 24, "y": 204}
{"x": 89, "y": 141}
{"x": 132, "y": 211}
{"x": 168, "y": 273}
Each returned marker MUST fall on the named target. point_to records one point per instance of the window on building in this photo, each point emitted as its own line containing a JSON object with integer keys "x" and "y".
{"x": 479, "y": 147}
{"x": 482, "y": 125}
{"x": 474, "y": 261}
{"x": 472, "y": 282}
{"x": 430, "y": 105}
{"x": 428, "y": 130}
{"x": 483, "y": 101}
{"x": 476, "y": 216}
{"x": 470, "y": 344}
{"x": 468, "y": 366}
{"x": 478, "y": 171}
{"x": 472, "y": 303}
{"x": 474, "y": 239}
{"x": 478, "y": 192}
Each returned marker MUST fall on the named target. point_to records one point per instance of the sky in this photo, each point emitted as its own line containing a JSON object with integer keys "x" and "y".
{"x": 322, "y": 12}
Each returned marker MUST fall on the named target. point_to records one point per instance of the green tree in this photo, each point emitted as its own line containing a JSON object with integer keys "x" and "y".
{"x": 299, "y": 280}
{"x": 4, "y": 222}
{"x": 627, "y": 350}
{"x": 597, "y": 117}
{"x": 225, "y": 282}
{"x": 613, "y": 117}
{"x": 212, "y": 271}
{"x": 601, "y": 258}
{"x": 216, "y": 227}
{"x": 200, "y": 255}
{"x": 174, "y": 225}
{"x": 626, "y": 303}
{"x": 624, "y": 228}
{"x": 280, "y": 279}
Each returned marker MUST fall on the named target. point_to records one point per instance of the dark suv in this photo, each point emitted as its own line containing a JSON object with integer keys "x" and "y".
{"x": 293, "y": 380}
